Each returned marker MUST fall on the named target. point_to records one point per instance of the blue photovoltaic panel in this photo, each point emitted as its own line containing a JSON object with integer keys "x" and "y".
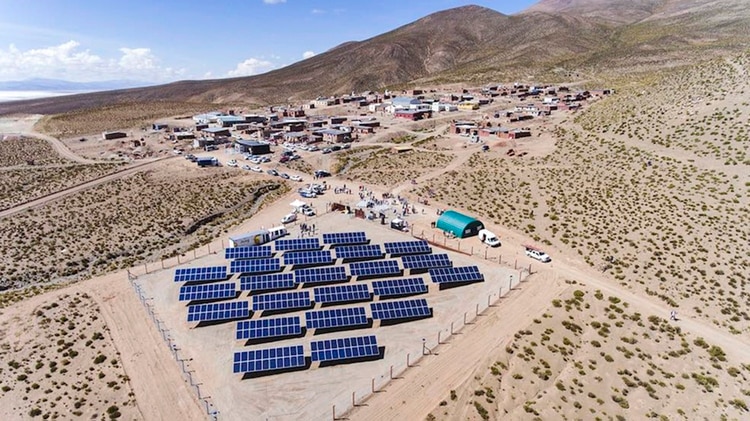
{"x": 316, "y": 257}
{"x": 294, "y": 244}
{"x": 375, "y": 268}
{"x": 269, "y": 359}
{"x": 211, "y": 273}
{"x": 341, "y": 293}
{"x": 218, "y": 311}
{"x": 397, "y": 287}
{"x": 248, "y": 252}
{"x": 366, "y": 251}
{"x": 456, "y": 274}
{"x": 255, "y": 265}
{"x": 345, "y": 348}
{"x": 391, "y": 310}
{"x": 207, "y": 292}
{"x": 336, "y": 317}
{"x": 401, "y": 248}
{"x": 281, "y": 301}
{"x": 320, "y": 275}
{"x": 426, "y": 261}
{"x": 268, "y": 282}
{"x": 268, "y": 328}
{"x": 335, "y": 238}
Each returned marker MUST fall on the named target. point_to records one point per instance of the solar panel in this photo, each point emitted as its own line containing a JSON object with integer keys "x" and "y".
{"x": 295, "y": 244}
{"x": 335, "y": 238}
{"x": 268, "y": 328}
{"x": 268, "y": 282}
{"x": 316, "y": 257}
{"x": 341, "y": 293}
{"x": 320, "y": 275}
{"x": 255, "y": 265}
{"x": 375, "y": 268}
{"x": 269, "y": 359}
{"x": 398, "y": 287}
{"x": 218, "y": 311}
{"x": 207, "y": 292}
{"x": 426, "y": 261}
{"x": 210, "y": 273}
{"x": 401, "y": 248}
{"x": 281, "y": 301}
{"x": 345, "y": 348}
{"x": 336, "y": 317}
{"x": 406, "y": 309}
{"x": 456, "y": 274}
{"x": 366, "y": 251}
{"x": 248, "y": 252}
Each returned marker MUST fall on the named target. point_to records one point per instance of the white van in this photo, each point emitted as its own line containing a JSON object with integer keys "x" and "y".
{"x": 289, "y": 218}
{"x": 489, "y": 238}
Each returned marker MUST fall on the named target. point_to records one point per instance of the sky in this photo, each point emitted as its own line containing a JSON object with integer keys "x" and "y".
{"x": 159, "y": 41}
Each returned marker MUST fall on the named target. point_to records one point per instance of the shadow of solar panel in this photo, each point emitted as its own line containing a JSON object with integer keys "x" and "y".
{"x": 268, "y": 282}
{"x": 336, "y": 317}
{"x": 426, "y": 261}
{"x": 269, "y": 359}
{"x": 281, "y": 301}
{"x": 366, "y": 251}
{"x": 218, "y": 311}
{"x": 248, "y": 252}
{"x": 400, "y": 248}
{"x": 295, "y": 244}
{"x": 320, "y": 275}
{"x": 456, "y": 275}
{"x": 207, "y": 292}
{"x": 341, "y": 293}
{"x": 255, "y": 265}
{"x": 199, "y": 274}
{"x": 407, "y": 309}
{"x": 336, "y": 238}
{"x": 304, "y": 258}
{"x": 375, "y": 268}
{"x": 268, "y": 328}
{"x": 345, "y": 348}
{"x": 399, "y": 287}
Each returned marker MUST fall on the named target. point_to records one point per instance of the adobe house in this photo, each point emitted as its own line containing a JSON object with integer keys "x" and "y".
{"x": 412, "y": 115}
{"x": 113, "y": 135}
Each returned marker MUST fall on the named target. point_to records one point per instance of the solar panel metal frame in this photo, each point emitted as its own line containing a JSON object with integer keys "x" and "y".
{"x": 247, "y": 252}
{"x": 336, "y": 318}
{"x": 375, "y": 268}
{"x": 426, "y": 261}
{"x": 282, "y": 301}
{"x": 297, "y": 244}
{"x": 456, "y": 274}
{"x": 341, "y": 293}
{"x": 337, "y": 238}
{"x": 401, "y": 248}
{"x": 272, "y": 264}
{"x": 226, "y": 310}
{"x": 345, "y": 348}
{"x": 269, "y": 359}
{"x": 268, "y": 328}
{"x": 362, "y": 251}
{"x": 207, "y": 292}
{"x": 320, "y": 275}
{"x": 267, "y": 282}
{"x": 395, "y": 310}
{"x": 310, "y": 257}
{"x": 200, "y": 274}
{"x": 399, "y": 287}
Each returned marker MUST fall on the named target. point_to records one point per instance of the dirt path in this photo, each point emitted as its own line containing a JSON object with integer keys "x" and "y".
{"x": 60, "y": 148}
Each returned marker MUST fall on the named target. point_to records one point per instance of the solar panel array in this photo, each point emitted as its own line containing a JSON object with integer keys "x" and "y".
{"x": 248, "y": 252}
{"x": 337, "y": 317}
{"x": 365, "y": 251}
{"x": 400, "y": 248}
{"x": 392, "y": 310}
{"x": 269, "y": 359}
{"x": 374, "y": 268}
{"x": 399, "y": 287}
{"x": 426, "y": 261}
{"x": 207, "y": 292}
{"x": 341, "y": 293}
{"x": 296, "y": 244}
{"x": 281, "y": 301}
{"x": 456, "y": 275}
{"x": 210, "y": 273}
{"x": 320, "y": 275}
{"x": 218, "y": 311}
{"x": 255, "y": 265}
{"x": 267, "y": 282}
{"x": 316, "y": 257}
{"x": 345, "y": 348}
{"x": 335, "y": 238}
{"x": 268, "y": 328}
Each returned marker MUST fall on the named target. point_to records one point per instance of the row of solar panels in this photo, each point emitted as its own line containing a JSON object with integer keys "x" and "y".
{"x": 288, "y": 357}
{"x": 349, "y": 250}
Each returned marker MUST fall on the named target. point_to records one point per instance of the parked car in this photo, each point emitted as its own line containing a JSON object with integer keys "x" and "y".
{"x": 327, "y": 150}
{"x": 346, "y": 146}
{"x": 232, "y": 163}
{"x": 256, "y": 169}
{"x": 313, "y": 148}
{"x": 272, "y": 172}
{"x": 289, "y": 218}
{"x": 265, "y": 159}
{"x": 335, "y": 148}
{"x": 284, "y": 159}
{"x": 308, "y": 211}
{"x": 489, "y": 238}
{"x": 322, "y": 173}
{"x": 246, "y": 167}
{"x": 295, "y": 178}
{"x": 307, "y": 194}
{"x": 537, "y": 254}
{"x": 284, "y": 175}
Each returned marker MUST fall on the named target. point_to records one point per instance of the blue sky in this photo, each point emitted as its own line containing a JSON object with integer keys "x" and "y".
{"x": 162, "y": 41}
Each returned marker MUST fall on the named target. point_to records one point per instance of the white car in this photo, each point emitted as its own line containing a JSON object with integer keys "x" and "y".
{"x": 538, "y": 255}
{"x": 256, "y": 169}
{"x": 246, "y": 167}
{"x": 295, "y": 178}
{"x": 232, "y": 163}
{"x": 308, "y": 211}
{"x": 289, "y": 218}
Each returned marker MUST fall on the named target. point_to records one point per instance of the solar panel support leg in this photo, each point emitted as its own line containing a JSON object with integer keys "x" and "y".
{"x": 373, "y": 386}
{"x": 477, "y": 311}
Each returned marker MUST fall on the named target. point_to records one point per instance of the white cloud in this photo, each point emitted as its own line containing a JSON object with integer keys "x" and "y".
{"x": 317, "y": 11}
{"x": 251, "y": 66}
{"x": 307, "y": 54}
{"x": 274, "y": 1}
{"x": 208, "y": 75}
{"x": 137, "y": 58}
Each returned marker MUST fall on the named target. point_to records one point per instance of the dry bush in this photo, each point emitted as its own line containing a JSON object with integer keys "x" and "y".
{"x": 23, "y": 151}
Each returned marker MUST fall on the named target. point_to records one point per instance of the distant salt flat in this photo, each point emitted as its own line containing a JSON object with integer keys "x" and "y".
{"x": 6, "y": 96}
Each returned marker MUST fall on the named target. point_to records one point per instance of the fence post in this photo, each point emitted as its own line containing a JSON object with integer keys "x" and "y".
{"x": 438, "y": 337}
{"x": 451, "y": 328}
{"x": 477, "y": 312}
{"x": 464, "y": 317}
{"x": 391, "y": 372}
{"x": 334, "y": 413}
{"x": 178, "y": 260}
{"x": 407, "y": 360}
{"x": 373, "y": 385}
{"x": 209, "y": 248}
{"x": 145, "y": 267}
{"x": 354, "y": 401}
{"x": 162, "y": 263}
